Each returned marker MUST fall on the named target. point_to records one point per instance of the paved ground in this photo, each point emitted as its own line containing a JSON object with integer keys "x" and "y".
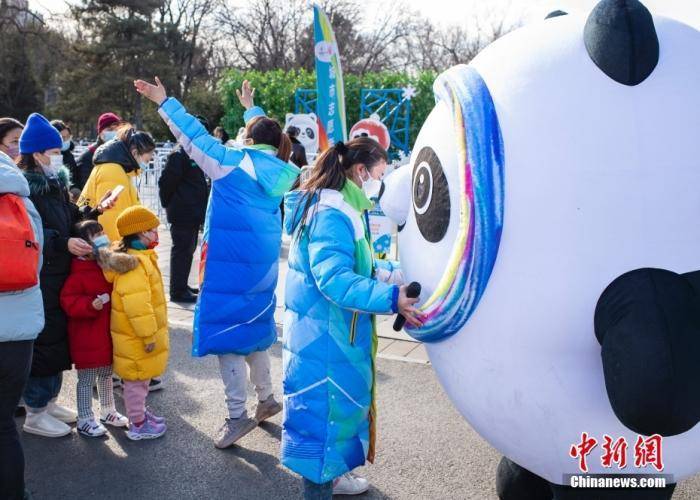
{"x": 426, "y": 450}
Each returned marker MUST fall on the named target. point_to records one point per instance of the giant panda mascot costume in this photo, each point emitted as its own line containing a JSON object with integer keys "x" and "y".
{"x": 556, "y": 187}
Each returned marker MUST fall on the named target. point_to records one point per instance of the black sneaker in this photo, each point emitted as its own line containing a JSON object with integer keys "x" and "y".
{"x": 155, "y": 384}
{"x": 193, "y": 290}
{"x": 185, "y": 297}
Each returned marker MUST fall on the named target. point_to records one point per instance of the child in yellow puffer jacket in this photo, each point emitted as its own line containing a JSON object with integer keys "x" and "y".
{"x": 139, "y": 322}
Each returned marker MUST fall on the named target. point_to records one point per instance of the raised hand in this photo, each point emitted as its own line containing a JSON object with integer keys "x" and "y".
{"x": 155, "y": 93}
{"x": 246, "y": 95}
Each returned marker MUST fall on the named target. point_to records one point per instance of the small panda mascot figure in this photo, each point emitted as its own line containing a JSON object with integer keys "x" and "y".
{"x": 308, "y": 130}
{"x": 555, "y": 188}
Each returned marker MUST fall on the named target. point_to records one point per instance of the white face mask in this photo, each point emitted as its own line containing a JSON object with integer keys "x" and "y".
{"x": 55, "y": 164}
{"x": 371, "y": 186}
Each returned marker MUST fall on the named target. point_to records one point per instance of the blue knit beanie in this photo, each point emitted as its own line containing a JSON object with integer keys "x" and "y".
{"x": 39, "y": 135}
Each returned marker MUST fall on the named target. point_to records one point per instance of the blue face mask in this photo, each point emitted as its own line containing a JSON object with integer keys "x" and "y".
{"x": 100, "y": 242}
{"x": 108, "y": 135}
{"x": 66, "y": 146}
{"x": 143, "y": 165}
{"x": 138, "y": 245}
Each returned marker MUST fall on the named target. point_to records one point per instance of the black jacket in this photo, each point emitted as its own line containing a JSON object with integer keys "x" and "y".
{"x": 298, "y": 156}
{"x": 58, "y": 215}
{"x": 183, "y": 190}
{"x": 72, "y": 166}
{"x": 84, "y": 165}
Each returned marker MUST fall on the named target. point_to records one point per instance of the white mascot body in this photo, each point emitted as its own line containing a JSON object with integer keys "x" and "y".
{"x": 308, "y": 130}
{"x": 572, "y": 179}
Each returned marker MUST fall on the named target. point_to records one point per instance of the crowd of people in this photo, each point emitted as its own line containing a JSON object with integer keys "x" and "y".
{"x": 80, "y": 283}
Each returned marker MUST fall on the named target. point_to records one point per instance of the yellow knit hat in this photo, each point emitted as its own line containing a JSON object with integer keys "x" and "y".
{"x": 136, "y": 219}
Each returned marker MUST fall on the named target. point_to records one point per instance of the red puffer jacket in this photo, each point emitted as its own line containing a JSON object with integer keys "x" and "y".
{"x": 89, "y": 337}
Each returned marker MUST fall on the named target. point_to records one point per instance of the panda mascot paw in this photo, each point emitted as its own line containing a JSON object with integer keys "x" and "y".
{"x": 648, "y": 324}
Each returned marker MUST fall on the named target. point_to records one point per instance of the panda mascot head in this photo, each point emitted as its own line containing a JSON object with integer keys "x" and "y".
{"x": 555, "y": 187}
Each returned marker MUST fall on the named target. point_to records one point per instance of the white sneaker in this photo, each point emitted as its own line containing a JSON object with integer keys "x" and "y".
{"x": 90, "y": 428}
{"x": 43, "y": 424}
{"x": 114, "y": 418}
{"x": 62, "y": 413}
{"x": 350, "y": 484}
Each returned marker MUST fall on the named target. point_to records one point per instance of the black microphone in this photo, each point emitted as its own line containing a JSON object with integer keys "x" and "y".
{"x": 412, "y": 291}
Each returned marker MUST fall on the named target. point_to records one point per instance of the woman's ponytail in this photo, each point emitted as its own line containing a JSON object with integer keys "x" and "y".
{"x": 136, "y": 139}
{"x": 264, "y": 130}
{"x": 330, "y": 169}
{"x": 284, "y": 150}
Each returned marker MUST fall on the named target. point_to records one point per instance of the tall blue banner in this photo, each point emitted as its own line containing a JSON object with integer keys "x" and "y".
{"x": 332, "y": 125}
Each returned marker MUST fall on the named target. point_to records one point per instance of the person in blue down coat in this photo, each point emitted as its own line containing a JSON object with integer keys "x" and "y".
{"x": 22, "y": 314}
{"x": 240, "y": 250}
{"x": 332, "y": 294}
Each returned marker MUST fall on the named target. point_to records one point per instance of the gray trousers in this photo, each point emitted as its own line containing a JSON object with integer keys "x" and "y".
{"x": 235, "y": 377}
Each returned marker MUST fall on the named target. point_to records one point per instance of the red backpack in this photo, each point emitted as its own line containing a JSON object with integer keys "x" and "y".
{"x": 19, "y": 250}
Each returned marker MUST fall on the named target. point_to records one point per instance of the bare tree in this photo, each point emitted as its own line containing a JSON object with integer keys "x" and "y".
{"x": 277, "y": 34}
{"x": 434, "y": 48}
{"x": 187, "y": 27}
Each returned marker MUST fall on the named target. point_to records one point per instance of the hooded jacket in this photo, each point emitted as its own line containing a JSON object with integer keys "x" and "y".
{"x": 89, "y": 329}
{"x": 183, "y": 190}
{"x": 139, "y": 317}
{"x": 330, "y": 338}
{"x": 22, "y": 312}
{"x": 242, "y": 237}
{"x": 114, "y": 165}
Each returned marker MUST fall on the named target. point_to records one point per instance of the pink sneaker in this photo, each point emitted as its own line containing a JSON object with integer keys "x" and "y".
{"x": 153, "y": 417}
{"x": 147, "y": 430}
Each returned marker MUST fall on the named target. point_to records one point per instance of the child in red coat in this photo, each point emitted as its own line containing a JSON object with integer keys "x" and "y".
{"x": 85, "y": 300}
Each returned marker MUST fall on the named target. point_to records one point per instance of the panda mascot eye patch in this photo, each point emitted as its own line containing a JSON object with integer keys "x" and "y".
{"x": 431, "y": 196}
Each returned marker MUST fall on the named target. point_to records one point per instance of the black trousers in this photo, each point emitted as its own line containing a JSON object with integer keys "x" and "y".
{"x": 184, "y": 244}
{"x": 14, "y": 369}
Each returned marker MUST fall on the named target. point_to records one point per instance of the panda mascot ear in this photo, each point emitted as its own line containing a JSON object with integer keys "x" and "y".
{"x": 621, "y": 40}
{"x": 648, "y": 324}
{"x": 288, "y": 119}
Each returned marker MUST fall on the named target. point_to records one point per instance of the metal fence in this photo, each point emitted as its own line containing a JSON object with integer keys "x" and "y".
{"x": 147, "y": 182}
